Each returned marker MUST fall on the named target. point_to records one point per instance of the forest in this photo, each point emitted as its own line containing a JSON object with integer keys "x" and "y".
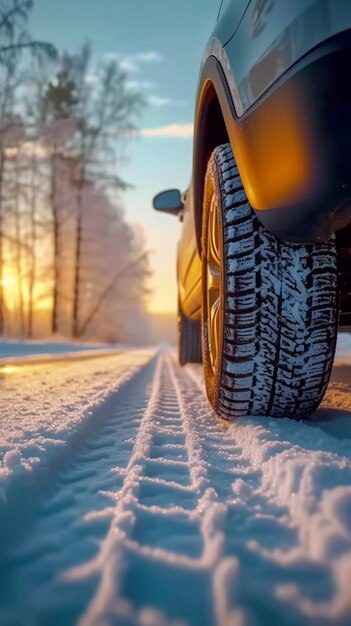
{"x": 70, "y": 264}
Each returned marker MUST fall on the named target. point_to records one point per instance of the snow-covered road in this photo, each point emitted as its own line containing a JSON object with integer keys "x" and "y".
{"x": 125, "y": 501}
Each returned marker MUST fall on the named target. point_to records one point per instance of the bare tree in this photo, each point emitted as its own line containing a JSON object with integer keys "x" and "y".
{"x": 15, "y": 39}
{"x": 62, "y": 230}
{"x": 32, "y": 201}
{"x": 103, "y": 111}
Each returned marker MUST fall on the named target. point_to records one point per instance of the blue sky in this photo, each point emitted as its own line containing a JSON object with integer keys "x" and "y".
{"x": 160, "y": 44}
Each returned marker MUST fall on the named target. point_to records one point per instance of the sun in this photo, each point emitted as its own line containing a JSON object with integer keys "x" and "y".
{"x": 8, "y": 285}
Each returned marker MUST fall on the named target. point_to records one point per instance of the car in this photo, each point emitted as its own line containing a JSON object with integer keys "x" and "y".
{"x": 264, "y": 272}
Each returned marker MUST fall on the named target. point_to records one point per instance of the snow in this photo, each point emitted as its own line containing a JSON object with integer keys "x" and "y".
{"x": 124, "y": 500}
{"x": 16, "y": 353}
{"x": 343, "y": 349}
{"x": 43, "y": 406}
{"x": 12, "y": 348}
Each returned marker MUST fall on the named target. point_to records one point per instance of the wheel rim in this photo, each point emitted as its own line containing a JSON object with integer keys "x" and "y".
{"x": 213, "y": 285}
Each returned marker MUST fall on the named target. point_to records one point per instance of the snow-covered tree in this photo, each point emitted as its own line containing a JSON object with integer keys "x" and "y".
{"x": 74, "y": 265}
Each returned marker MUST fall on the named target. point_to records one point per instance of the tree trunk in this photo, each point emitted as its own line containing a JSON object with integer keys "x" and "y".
{"x": 56, "y": 246}
{"x": 76, "y": 287}
{"x": 19, "y": 250}
{"x": 77, "y": 263}
{"x": 2, "y": 303}
{"x": 33, "y": 236}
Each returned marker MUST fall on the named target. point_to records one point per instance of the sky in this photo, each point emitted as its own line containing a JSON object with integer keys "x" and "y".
{"x": 160, "y": 45}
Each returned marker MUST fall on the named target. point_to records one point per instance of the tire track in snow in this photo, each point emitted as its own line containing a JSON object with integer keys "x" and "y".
{"x": 167, "y": 516}
{"x": 164, "y": 482}
{"x": 16, "y": 508}
{"x": 156, "y": 559}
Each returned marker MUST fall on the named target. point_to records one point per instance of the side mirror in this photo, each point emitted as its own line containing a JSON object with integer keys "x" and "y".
{"x": 169, "y": 201}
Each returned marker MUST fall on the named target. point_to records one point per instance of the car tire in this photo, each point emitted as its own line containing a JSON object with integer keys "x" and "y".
{"x": 269, "y": 341}
{"x": 189, "y": 340}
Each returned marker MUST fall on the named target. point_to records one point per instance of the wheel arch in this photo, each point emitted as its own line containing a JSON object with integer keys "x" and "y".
{"x": 294, "y": 167}
{"x": 211, "y": 131}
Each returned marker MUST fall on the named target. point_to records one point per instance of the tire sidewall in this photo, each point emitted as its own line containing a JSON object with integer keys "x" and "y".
{"x": 212, "y": 188}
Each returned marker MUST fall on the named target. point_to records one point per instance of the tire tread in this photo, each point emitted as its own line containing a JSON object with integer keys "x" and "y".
{"x": 280, "y": 312}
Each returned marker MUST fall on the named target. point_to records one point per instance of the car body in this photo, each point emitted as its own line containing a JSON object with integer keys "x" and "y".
{"x": 273, "y": 84}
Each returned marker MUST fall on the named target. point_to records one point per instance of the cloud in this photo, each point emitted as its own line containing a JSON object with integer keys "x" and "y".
{"x": 141, "y": 84}
{"x": 159, "y": 101}
{"x": 111, "y": 56}
{"x": 127, "y": 65}
{"x": 172, "y": 131}
{"x": 148, "y": 57}
{"x": 132, "y": 62}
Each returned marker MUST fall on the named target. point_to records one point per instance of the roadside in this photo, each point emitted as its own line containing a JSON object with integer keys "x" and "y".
{"x": 125, "y": 500}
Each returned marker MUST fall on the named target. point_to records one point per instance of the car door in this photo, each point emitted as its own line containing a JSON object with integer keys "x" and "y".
{"x": 189, "y": 263}
{"x": 229, "y": 17}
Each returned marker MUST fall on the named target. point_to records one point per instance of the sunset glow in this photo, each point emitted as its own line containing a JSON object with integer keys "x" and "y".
{"x": 6, "y": 281}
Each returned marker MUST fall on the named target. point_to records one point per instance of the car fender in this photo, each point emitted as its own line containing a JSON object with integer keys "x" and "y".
{"x": 291, "y": 147}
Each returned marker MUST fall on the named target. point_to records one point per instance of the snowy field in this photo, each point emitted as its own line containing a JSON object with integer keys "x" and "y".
{"x": 28, "y": 349}
{"x": 125, "y": 501}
